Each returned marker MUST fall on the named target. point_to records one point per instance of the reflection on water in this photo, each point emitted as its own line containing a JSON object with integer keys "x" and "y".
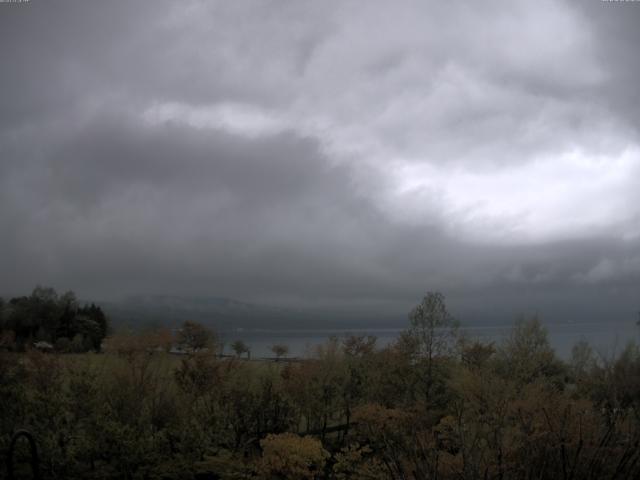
{"x": 606, "y": 339}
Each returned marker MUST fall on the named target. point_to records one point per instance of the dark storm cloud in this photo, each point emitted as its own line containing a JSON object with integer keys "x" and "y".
{"x": 323, "y": 153}
{"x": 167, "y": 187}
{"x": 616, "y": 27}
{"x": 199, "y": 210}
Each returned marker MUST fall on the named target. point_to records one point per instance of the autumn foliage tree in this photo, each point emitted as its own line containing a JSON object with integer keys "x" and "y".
{"x": 290, "y": 456}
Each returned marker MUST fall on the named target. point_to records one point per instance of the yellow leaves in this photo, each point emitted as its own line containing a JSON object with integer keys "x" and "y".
{"x": 379, "y": 418}
{"x": 357, "y": 463}
{"x": 290, "y": 456}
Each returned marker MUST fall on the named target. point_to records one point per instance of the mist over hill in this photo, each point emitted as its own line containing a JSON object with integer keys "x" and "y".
{"x": 228, "y": 314}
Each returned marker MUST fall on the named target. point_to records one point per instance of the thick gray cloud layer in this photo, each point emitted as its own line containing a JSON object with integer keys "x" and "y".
{"x": 325, "y": 153}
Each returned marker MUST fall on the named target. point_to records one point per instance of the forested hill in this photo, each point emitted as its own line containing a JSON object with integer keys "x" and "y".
{"x": 229, "y": 314}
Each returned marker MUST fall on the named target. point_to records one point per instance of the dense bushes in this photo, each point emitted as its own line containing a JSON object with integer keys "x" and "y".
{"x": 463, "y": 410}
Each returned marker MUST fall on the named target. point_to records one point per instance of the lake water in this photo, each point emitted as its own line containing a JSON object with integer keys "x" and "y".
{"x": 606, "y": 339}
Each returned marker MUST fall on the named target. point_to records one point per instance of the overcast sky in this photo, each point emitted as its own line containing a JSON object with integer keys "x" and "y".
{"x": 325, "y": 153}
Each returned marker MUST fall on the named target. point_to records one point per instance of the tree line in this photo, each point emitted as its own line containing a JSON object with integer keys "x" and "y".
{"x": 56, "y": 321}
{"x": 435, "y": 404}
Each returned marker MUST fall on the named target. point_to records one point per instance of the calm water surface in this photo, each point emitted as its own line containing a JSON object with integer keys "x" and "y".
{"x": 607, "y": 339}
